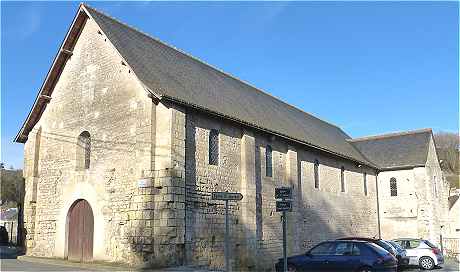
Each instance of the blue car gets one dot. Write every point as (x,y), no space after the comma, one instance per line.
(340,255)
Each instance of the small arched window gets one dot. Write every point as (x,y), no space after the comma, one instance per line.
(365,183)
(214,147)
(38,137)
(316,173)
(84,150)
(342,179)
(393,187)
(435,184)
(268,161)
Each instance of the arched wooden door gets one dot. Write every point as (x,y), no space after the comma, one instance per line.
(81,229)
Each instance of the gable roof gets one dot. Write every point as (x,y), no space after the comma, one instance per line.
(176,76)
(396,150)
(173,75)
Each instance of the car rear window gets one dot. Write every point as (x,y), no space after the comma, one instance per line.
(327,248)
(377,249)
(429,244)
(396,245)
(398,242)
(383,244)
(413,244)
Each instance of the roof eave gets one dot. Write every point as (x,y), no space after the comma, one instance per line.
(43,96)
(248,124)
(401,167)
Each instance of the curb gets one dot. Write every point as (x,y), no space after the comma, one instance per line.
(77,266)
(108,266)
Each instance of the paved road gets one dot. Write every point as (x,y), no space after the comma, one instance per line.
(450,265)
(43,264)
(10,262)
(20,265)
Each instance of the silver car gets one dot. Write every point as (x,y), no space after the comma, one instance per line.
(421,252)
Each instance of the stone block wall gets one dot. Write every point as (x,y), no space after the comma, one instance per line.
(172,220)
(400,220)
(424,192)
(336,213)
(169,202)
(256,231)
(98,93)
(205,226)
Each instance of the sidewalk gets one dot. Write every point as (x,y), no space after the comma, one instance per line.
(106,266)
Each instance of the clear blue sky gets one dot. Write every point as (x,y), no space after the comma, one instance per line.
(368,67)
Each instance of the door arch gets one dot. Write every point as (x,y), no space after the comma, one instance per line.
(80,225)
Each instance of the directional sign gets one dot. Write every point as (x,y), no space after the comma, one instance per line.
(283,206)
(283,192)
(226,196)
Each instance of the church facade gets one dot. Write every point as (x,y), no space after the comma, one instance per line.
(412,187)
(128,137)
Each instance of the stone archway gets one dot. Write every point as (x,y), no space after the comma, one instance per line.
(80,226)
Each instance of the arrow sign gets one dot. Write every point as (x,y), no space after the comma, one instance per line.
(283,192)
(226,196)
(283,206)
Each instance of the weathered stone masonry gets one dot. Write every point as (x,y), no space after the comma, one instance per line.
(172,221)
(96,93)
(149,181)
(256,227)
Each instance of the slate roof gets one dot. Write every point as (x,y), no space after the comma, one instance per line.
(396,150)
(177,76)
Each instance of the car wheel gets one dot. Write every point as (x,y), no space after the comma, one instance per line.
(364,269)
(426,263)
(291,268)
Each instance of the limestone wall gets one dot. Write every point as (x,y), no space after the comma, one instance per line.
(399,220)
(421,207)
(327,208)
(172,219)
(204,217)
(453,227)
(99,94)
(319,214)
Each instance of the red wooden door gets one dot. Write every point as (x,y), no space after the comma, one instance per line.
(81,228)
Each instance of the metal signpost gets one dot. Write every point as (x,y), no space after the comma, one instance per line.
(226,196)
(284,205)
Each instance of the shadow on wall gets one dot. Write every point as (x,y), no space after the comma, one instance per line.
(251,249)
(202,242)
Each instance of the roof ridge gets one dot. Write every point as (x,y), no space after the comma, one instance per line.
(390,135)
(211,66)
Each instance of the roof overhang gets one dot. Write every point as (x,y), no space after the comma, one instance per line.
(401,167)
(247,124)
(44,95)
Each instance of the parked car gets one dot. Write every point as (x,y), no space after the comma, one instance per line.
(401,254)
(342,255)
(421,252)
(402,260)
(4,238)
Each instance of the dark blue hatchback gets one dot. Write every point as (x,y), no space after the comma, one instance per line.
(335,256)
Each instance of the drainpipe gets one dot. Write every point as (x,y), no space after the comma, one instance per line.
(378,204)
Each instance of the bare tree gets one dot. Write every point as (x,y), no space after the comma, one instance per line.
(448,147)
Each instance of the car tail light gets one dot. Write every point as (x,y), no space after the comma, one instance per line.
(386,259)
(436,250)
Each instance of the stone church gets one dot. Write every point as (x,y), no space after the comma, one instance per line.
(128,137)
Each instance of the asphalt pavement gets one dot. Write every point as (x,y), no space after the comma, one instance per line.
(449,265)
(10,262)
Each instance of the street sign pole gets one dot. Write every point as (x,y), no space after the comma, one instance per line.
(284,205)
(227,242)
(227,196)
(284,242)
